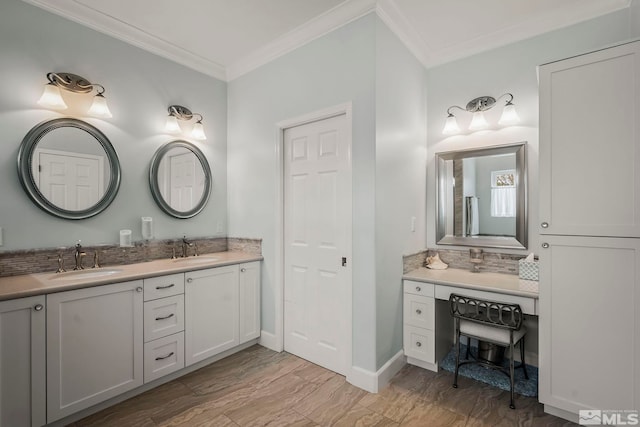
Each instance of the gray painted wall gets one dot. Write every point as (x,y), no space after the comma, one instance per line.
(401,114)
(139,88)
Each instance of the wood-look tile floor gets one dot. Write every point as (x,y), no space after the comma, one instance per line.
(259,387)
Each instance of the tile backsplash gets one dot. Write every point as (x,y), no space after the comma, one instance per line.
(29,261)
(459,258)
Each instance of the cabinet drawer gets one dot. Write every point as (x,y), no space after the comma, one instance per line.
(419,343)
(419,311)
(163,286)
(163,356)
(418,288)
(163,317)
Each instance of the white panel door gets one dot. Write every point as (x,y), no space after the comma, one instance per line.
(22,362)
(317,236)
(187,181)
(589,326)
(590,144)
(94,346)
(72,181)
(211,312)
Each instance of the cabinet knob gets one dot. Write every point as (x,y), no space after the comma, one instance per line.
(242,270)
(418,344)
(38,307)
(418,311)
(139,289)
(545,245)
(418,289)
(189,280)
(544,225)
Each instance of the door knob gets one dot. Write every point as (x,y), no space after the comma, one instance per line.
(544,225)
(38,307)
(545,245)
(139,289)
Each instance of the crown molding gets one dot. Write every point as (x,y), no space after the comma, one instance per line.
(111,26)
(323,24)
(429,56)
(390,14)
(343,14)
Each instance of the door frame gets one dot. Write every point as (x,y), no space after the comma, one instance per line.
(277,343)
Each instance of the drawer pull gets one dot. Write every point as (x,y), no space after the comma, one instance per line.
(165,287)
(165,357)
(418,288)
(418,344)
(418,311)
(168,316)
(139,289)
(189,280)
(38,307)
(243,270)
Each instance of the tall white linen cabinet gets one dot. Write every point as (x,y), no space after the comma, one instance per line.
(590,232)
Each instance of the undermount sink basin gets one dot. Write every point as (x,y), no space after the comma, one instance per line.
(197,259)
(86,274)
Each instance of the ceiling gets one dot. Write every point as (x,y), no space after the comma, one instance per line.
(228,38)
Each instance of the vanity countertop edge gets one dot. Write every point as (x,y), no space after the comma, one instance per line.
(509,284)
(27,285)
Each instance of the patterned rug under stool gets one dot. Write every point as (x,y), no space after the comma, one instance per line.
(492,377)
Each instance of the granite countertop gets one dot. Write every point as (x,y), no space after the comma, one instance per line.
(45,283)
(484,281)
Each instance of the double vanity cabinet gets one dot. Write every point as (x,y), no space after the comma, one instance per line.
(66,351)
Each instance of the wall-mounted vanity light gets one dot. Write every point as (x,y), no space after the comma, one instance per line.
(477,107)
(178,112)
(52,98)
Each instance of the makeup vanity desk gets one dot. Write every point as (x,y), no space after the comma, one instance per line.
(428,326)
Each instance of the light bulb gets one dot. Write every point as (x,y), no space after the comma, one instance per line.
(51,97)
(478,122)
(509,115)
(198,131)
(172,126)
(451,125)
(99,107)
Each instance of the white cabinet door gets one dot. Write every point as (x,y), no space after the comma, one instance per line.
(211,312)
(589,328)
(249,301)
(22,362)
(94,346)
(590,144)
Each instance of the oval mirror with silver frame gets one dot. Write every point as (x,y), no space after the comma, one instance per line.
(180,179)
(68,168)
(482,197)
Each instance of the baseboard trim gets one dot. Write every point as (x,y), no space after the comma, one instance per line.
(270,341)
(374,381)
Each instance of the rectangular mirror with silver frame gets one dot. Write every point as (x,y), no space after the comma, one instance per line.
(482,197)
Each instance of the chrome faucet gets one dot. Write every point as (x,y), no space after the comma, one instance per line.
(79,256)
(185,246)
